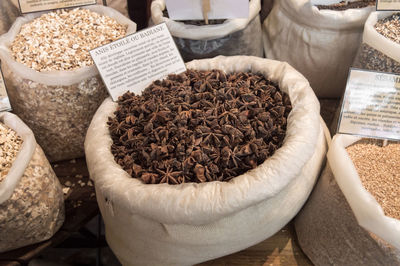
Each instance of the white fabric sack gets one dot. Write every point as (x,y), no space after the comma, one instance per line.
(190,223)
(119,5)
(366,209)
(321,44)
(378,52)
(31,197)
(56,105)
(233,37)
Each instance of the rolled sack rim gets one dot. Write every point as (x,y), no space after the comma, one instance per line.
(203,32)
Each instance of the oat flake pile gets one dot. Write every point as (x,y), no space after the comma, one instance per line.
(52,83)
(61,40)
(10,145)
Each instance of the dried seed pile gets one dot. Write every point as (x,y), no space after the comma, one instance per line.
(349,5)
(372,59)
(10,144)
(390,27)
(199,126)
(379,171)
(61,40)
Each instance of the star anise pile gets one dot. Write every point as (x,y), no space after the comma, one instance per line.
(199,126)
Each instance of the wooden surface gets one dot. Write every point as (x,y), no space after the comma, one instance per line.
(81,207)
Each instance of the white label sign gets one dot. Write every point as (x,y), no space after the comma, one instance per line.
(4,102)
(382,5)
(133,62)
(220,9)
(27,6)
(371,105)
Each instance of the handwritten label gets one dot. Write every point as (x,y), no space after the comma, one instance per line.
(382,5)
(133,62)
(371,105)
(219,9)
(28,6)
(4,102)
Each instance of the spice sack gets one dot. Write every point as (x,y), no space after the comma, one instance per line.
(342,223)
(31,197)
(378,52)
(320,44)
(232,37)
(185,224)
(56,104)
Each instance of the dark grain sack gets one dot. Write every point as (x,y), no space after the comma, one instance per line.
(329,234)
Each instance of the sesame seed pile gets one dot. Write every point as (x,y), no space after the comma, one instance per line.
(61,40)
(390,27)
(379,171)
(10,144)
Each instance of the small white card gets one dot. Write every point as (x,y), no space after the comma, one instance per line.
(135,61)
(28,6)
(220,9)
(4,102)
(371,105)
(388,5)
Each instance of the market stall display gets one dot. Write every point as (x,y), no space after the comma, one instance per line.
(321,44)
(194,218)
(360,185)
(228,37)
(31,198)
(52,82)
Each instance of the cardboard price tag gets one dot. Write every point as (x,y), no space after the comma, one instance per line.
(28,6)
(387,5)
(218,9)
(371,105)
(4,102)
(133,62)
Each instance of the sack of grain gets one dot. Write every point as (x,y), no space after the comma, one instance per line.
(52,83)
(31,197)
(380,48)
(162,224)
(231,37)
(320,43)
(346,220)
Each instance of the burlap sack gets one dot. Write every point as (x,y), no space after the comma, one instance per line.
(328,230)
